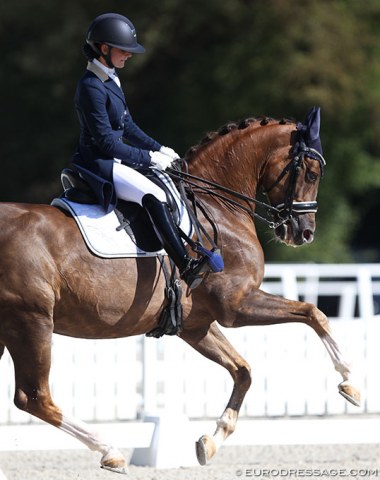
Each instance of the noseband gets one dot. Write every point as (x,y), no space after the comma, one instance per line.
(290,207)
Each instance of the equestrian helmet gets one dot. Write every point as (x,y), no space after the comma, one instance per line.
(114,30)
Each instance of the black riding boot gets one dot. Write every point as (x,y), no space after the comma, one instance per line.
(190,269)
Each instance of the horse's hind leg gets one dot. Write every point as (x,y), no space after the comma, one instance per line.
(214,345)
(31,354)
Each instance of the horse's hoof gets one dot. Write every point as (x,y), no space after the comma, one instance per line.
(350,393)
(122,470)
(115,462)
(205,449)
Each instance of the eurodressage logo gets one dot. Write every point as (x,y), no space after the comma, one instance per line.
(307,472)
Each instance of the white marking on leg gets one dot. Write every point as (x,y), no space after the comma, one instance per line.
(225,426)
(91,439)
(346,388)
(341,365)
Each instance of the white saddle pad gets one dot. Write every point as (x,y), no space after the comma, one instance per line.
(99,230)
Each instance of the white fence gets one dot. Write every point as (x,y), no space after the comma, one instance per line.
(108,380)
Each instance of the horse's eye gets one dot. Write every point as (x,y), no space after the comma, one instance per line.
(311,177)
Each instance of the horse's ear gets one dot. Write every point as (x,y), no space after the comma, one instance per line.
(313,124)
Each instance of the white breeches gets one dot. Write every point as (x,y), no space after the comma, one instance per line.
(131,185)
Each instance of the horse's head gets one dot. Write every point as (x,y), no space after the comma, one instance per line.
(291,181)
(282,158)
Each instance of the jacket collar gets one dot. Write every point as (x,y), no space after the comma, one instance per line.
(107,81)
(109,71)
(98,71)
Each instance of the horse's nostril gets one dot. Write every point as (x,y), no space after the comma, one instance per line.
(308,236)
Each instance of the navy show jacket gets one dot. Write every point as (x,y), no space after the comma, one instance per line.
(105,125)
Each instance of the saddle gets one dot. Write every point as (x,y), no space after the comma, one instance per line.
(132,217)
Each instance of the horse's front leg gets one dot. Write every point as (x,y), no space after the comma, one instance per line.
(261,308)
(216,347)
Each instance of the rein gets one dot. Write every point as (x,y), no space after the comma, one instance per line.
(284,210)
(212,187)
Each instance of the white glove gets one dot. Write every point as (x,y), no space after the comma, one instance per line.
(160,160)
(169,152)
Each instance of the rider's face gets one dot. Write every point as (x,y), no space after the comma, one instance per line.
(118,56)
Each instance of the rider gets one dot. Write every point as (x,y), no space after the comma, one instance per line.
(113,168)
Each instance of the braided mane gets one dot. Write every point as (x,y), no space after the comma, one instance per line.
(230,127)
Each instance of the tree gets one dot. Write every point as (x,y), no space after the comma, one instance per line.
(207,63)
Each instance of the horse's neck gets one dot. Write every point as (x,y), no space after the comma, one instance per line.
(215,162)
(239,162)
(235,162)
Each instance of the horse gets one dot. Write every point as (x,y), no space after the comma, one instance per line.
(52,283)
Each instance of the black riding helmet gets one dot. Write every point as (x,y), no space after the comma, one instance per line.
(114,30)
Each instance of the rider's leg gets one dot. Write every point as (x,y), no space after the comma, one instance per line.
(132,186)
(191,270)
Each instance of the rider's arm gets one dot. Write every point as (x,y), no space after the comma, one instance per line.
(136,137)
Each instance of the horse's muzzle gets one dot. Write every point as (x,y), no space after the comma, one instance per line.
(297,231)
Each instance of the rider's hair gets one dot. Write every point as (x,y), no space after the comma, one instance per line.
(89,52)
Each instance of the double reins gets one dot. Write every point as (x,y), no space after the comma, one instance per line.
(213,189)
(284,211)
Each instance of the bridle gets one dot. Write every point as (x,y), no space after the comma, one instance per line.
(284,211)
(290,207)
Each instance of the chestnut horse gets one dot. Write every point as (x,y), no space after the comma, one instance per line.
(51,283)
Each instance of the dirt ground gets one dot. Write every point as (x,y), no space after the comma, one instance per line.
(231,463)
